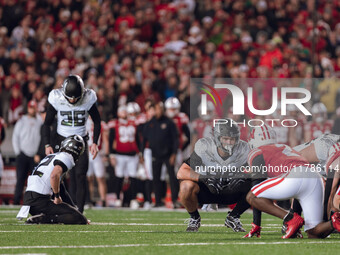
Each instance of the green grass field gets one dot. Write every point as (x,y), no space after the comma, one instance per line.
(114,231)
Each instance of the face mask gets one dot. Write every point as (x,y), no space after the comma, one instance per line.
(319,119)
(170,114)
(228,148)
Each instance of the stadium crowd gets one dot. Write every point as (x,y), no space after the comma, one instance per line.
(132,51)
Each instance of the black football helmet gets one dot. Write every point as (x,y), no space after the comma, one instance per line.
(229,129)
(73,88)
(73,144)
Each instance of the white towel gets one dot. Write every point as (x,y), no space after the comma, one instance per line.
(24,211)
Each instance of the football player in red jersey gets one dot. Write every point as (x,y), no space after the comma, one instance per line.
(320,124)
(123,150)
(288,177)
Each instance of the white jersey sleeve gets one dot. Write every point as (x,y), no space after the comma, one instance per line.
(321,145)
(72,117)
(39,181)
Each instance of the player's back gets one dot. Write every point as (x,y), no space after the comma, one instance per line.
(39,180)
(278,158)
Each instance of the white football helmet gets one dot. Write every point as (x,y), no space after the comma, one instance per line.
(319,112)
(172,106)
(133,108)
(122,112)
(210,111)
(260,136)
(331,154)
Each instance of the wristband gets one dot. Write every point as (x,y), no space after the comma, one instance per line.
(47,145)
(56,195)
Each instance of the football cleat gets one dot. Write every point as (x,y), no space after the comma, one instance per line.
(193,224)
(336,221)
(255,231)
(293,226)
(36,219)
(284,230)
(234,223)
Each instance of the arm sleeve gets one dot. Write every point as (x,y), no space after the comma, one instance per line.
(139,138)
(193,161)
(112,135)
(257,167)
(3,134)
(186,132)
(15,138)
(145,137)
(94,113)
(46,127)
(174,135)
(60,163)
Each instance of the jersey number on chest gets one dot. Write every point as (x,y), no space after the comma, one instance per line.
(73,118)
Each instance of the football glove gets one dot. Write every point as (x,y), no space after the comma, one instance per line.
(211,183)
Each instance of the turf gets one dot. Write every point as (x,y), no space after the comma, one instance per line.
(114,231)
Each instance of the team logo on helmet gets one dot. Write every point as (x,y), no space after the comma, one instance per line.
(74,145)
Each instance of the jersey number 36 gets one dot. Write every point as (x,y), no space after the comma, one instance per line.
(73,118)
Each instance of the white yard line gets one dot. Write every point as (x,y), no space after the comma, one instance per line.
(164,245)
(102,231)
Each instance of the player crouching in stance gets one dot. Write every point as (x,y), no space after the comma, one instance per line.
(222,150)
(45,181)
(295,180)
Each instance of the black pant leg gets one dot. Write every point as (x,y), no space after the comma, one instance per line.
(80,171)
(22,164)
(174,185)
(61,213)
(65,196)
(156,172)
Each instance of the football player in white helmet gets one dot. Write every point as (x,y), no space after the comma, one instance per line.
(133,110)
(72,104)
(44,184)
(200,183)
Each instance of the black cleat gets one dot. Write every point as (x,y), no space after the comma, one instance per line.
(234,223)
(36,219)
(193,224)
